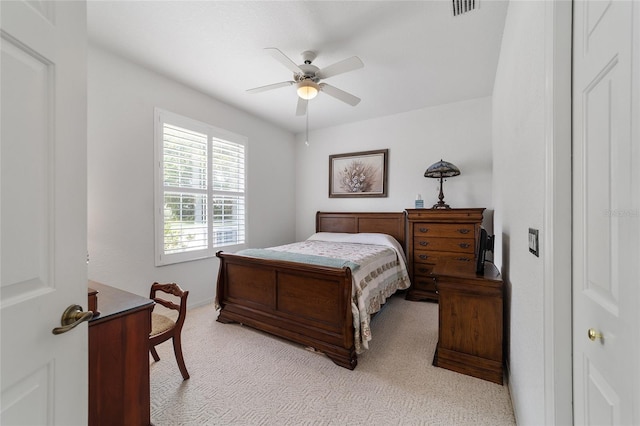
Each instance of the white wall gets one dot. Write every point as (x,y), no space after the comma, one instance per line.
(519,199)
(458,132)
(121,100)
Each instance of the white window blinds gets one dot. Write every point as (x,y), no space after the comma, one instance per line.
(228,210)
(200,189)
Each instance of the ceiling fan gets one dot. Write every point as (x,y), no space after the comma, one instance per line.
(307,77)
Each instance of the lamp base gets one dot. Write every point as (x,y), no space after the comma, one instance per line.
(440,205)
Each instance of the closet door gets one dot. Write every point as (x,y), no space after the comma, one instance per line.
(606,213)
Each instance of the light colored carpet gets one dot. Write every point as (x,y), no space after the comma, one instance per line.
(240,376)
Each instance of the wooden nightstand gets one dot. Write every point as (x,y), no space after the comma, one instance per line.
(471,309)
(436,235)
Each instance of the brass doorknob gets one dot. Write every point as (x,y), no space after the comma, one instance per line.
(593,334)
(71,317)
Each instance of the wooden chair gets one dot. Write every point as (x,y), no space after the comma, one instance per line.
(164,328)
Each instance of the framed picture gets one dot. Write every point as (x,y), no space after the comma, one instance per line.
(358,174)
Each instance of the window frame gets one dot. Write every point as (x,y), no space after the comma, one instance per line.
(160,118)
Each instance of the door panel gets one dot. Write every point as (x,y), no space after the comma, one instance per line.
(26,87)
(599,150)
(19,400)
(602,400)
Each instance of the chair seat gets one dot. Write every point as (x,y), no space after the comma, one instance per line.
(160,323)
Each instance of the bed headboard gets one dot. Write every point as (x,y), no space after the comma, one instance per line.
(385,223)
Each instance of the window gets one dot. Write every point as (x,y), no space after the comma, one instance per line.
(200,189)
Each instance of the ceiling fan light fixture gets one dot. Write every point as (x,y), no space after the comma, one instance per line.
(307,89)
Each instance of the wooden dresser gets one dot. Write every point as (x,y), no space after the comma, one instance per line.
(470,336)
(436,235)
(119,388)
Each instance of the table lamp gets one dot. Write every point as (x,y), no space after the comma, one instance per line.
(440,170)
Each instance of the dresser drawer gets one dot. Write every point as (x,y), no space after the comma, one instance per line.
(422,257)
(458,245)
(444,230)
(422,269)
(426,284)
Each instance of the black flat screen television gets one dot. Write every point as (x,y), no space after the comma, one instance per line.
(485,243)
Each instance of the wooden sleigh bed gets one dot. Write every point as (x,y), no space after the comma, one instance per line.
(307,304)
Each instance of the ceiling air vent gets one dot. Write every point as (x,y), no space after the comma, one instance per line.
(464,6)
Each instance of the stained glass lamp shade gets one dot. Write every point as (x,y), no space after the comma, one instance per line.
(440,170)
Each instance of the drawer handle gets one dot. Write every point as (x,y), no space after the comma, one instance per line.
(463,231)
(423,256)
(464,245)
(464,259)
(424,243)
(423,270)
(423,229)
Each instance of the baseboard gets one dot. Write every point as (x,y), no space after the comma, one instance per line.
(507,383)
(201,303)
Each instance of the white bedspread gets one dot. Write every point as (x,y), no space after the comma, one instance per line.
(381,271)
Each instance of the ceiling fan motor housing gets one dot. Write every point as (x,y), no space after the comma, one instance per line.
(308,73)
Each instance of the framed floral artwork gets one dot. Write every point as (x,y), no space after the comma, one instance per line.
(358,174)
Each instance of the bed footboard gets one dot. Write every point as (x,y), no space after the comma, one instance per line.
(309,305)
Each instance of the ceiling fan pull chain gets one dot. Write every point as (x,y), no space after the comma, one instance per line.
(306,141)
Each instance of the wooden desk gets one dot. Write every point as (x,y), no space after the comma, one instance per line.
(470,339)
(119,388)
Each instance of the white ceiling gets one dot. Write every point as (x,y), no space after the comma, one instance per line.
(416,54)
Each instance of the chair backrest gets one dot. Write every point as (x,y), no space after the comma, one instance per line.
(174,289)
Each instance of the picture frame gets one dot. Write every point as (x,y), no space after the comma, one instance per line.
(358,174)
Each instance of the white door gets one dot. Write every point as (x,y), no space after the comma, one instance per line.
(606,213)
(43,239)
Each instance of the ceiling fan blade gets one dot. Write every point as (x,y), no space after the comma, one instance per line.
(350,64)
(301,109)
(270,87)
(339,94)
(284,59)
